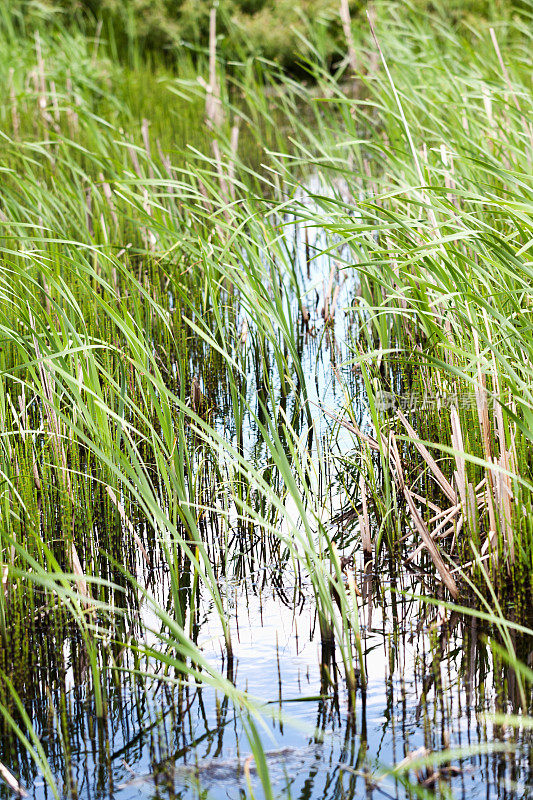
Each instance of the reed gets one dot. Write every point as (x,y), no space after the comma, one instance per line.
(155,407)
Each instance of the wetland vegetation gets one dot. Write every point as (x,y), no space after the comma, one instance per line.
(266,410)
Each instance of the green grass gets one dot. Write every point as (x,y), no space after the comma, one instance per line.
(438,225)
(135,242)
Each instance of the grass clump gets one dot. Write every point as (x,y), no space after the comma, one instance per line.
(156,409)
(434,214)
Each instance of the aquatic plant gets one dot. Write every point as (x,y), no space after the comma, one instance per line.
(156,409)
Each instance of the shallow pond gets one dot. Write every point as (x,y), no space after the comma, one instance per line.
(431,679)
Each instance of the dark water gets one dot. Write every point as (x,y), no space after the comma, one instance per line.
(433,676)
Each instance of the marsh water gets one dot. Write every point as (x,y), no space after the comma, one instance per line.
(434,679)
(431,681)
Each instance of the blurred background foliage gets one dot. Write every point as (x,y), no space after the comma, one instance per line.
(274,29)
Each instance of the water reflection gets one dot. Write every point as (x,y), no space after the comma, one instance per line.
(431,678)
